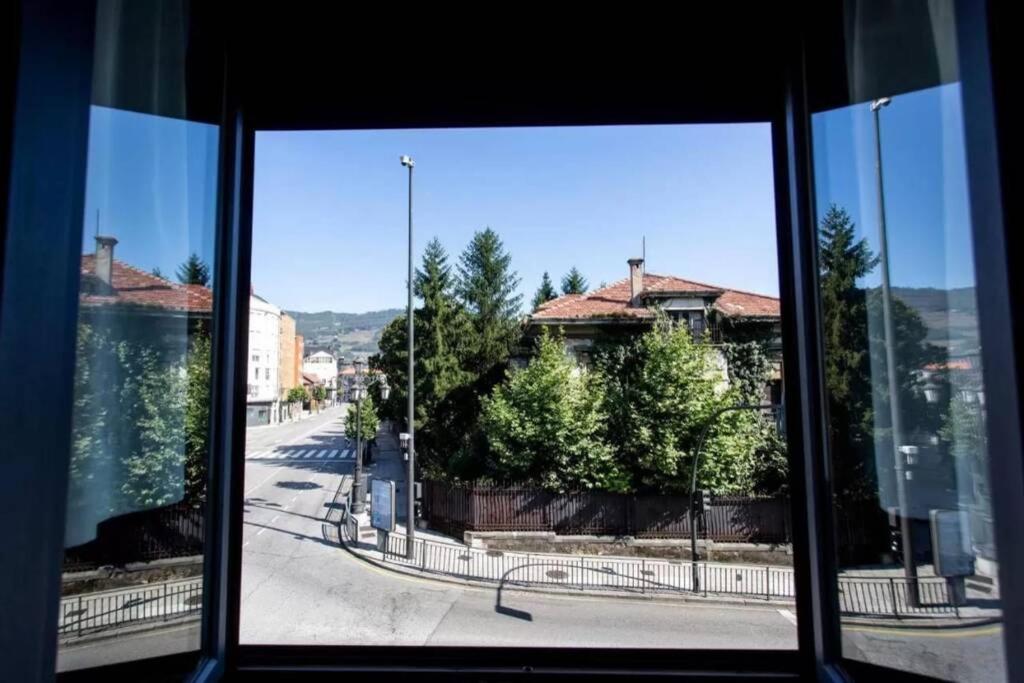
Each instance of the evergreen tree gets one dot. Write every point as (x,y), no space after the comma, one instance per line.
(158,273)
(546,292)
(487,286)
(574,282)
(194,272)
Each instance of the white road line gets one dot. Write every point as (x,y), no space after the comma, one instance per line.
(297,454)
(274,519)
(297,495)
(332,454)
(788,616)
(270,476)
(321,454)
(347,454)
(261,531)
(309,455)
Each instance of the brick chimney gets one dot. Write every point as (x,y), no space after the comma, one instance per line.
(105,259)
(636,280)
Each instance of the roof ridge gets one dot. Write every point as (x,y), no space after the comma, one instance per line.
(618,282)
(718,287)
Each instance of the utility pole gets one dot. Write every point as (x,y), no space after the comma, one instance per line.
(906,526)
(410,472)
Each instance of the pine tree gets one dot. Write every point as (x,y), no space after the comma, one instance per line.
(158,273)
(194,272)
(574,282)
(546,292)
(487,286)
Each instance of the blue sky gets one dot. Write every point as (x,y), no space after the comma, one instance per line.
(329,225)
(154,182)
(923,166)
(330,206)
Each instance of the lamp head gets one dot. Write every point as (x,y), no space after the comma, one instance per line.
(407,160)
(880,102)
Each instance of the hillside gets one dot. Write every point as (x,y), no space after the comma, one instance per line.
(951,315)
(344,334)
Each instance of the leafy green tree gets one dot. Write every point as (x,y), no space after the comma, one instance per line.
(487,286)
(545,425)
(319,392)
(298,395)
(546,292)
(855,365)
(659,392)
(370,421)
(197,417)
(194,272)
(574,282)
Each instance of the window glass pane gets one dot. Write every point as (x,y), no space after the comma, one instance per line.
(917,581)
(568,354)
(133,579)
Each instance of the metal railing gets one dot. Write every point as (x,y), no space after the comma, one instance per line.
(88,612)
(859,596)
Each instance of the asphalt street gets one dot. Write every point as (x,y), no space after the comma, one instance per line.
(299,587)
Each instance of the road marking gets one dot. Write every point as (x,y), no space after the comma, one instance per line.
(788,616)
(270,476)
(276,516)
(332,454)
(261,531)
(293,498)
(349,452)
(310,454)
(321,454)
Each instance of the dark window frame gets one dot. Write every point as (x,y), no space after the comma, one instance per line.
(53,53)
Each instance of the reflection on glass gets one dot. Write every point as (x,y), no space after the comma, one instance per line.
(134,532)
(564,386)
(906,398)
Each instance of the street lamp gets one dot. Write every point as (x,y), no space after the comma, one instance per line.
(693,480)
(410,472)
(359,393)
(909,567)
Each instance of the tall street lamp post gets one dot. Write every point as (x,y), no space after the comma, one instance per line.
(359,393)
(901,455)
(410,472)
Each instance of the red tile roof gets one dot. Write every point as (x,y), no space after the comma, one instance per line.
(613,301)
(137,288)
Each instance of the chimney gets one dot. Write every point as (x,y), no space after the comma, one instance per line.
(105,259)
(636,280)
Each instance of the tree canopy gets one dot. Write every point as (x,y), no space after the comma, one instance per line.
(194,272)
(546,292)
(574,282)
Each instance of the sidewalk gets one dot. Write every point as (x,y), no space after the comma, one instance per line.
(879,593)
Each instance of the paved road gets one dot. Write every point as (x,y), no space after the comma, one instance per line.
(299,587)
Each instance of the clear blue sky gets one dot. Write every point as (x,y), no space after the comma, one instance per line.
(329,225)
(154,182)
(330,211)
(927,211)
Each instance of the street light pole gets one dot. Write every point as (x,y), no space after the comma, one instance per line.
(693,479)
(909,566)
(358,493)
(410,472)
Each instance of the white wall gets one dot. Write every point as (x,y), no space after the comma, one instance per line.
(264,349)
(323,366)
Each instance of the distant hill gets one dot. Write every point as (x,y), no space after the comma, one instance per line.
(951,315)
(345,334)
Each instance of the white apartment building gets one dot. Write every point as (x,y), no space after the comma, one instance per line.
(264,348)
(324,367)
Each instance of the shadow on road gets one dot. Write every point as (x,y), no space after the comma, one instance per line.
(297,485)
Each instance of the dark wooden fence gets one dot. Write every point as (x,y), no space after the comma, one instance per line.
(456,509)
(171,531)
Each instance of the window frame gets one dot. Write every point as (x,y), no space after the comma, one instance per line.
(52,53)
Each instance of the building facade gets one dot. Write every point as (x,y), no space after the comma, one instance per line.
(324,367)
(263,395)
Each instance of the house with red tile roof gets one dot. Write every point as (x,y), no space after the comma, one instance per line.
(145,304)
(714,313)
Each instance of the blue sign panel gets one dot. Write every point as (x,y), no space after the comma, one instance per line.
(382,504)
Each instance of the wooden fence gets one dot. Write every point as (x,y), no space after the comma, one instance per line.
(456,509)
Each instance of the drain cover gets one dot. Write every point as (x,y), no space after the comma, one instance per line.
(556,574)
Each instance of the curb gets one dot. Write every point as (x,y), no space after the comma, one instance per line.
(570,592)
(909,623)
